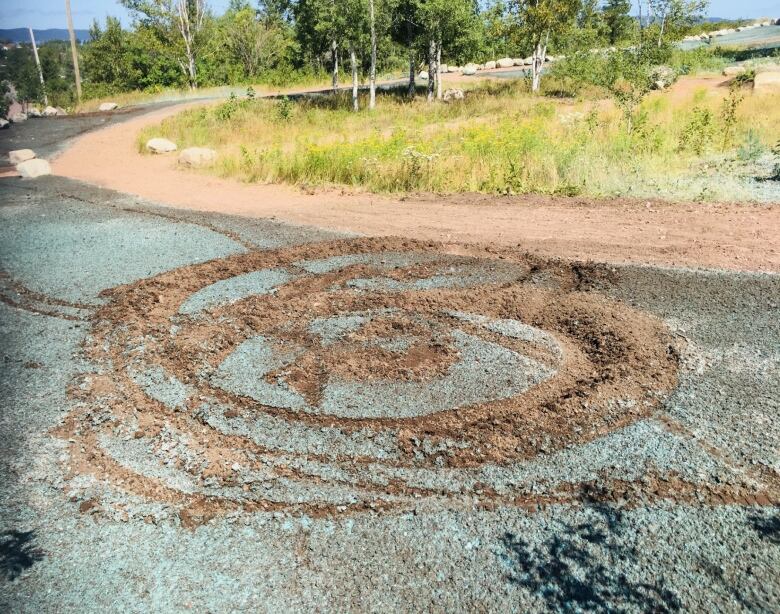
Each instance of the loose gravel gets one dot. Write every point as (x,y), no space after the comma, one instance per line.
(123,487)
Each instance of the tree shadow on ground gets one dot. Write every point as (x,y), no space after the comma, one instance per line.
(17,553)
(582,567)
(768,528)
(751,53)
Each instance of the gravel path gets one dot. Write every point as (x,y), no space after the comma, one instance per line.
(600,438)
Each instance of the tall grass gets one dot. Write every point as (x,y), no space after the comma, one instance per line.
(500,139)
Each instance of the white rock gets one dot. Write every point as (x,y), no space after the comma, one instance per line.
(518,61)
(53,111)
(453,95)
(18,117)
(470,69)
(505,63)
(34,168)
(4,123)
(160,146)
(20,155)
(423,75)
(528,61)
(196,157)
(444,69)
(766,82)
(767,68)
(732,71)
(108,106)
(33,112)
(490,65)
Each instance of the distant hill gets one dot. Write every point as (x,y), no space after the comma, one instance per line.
(21,35)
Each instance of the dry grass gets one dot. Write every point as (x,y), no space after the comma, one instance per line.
(500,139)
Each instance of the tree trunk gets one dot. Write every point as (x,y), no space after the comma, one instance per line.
(438,71)
(193,74)
(353,65)
(334,54)
(38,64)
(661,32)
(372,69)
(431,69)
(412,61)
(73,50)
(540,52)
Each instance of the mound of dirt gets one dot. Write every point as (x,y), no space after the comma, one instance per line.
(379,372)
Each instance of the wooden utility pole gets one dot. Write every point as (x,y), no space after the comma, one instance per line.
(74,50)
(38,63)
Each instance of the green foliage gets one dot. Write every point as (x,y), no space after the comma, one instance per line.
(698,133)
(728,114)
(226,110)
(752,148)
(4,102)
(284,109)
(18,67)
(671,20)
(617,19)
(745,78)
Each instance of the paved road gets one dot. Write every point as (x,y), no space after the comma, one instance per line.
(210,413)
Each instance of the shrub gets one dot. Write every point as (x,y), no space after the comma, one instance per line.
(752,148)
(697,134)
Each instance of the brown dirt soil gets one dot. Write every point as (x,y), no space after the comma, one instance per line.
(730,236)
(610,352)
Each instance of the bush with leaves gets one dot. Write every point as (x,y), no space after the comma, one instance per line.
(697,135)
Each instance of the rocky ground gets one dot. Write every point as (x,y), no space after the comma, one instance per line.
(202,412)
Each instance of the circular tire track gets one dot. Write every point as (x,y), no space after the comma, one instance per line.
(358,374)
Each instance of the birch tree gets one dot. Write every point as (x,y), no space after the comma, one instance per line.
(536,21)
(321,25)
(443,22)
(178,25)
(672,17)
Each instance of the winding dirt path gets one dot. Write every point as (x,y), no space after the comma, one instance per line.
(729,236)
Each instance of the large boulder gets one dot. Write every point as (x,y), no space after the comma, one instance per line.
(196,157)
(160,146)
(33,112)
(18,117)
(34,168)
(470,69)
(733,71)
(453,95)
(490,65)
(423,76)
(50,112)
(505,63)
(108,106)
(444,69)
(663,77)
(4,123)
(518,61)
(767,82)
(17,156)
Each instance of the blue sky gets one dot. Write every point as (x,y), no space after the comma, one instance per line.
(51,13)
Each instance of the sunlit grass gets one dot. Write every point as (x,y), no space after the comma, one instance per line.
(500,139)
